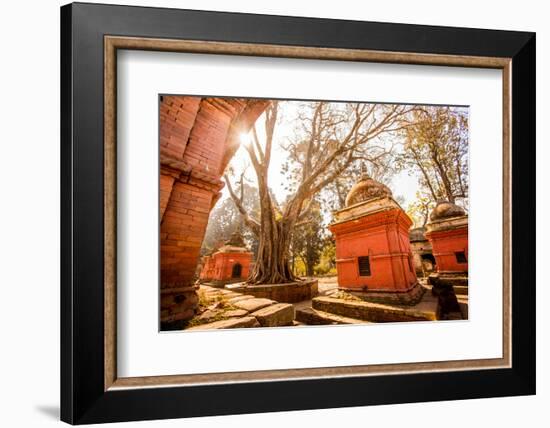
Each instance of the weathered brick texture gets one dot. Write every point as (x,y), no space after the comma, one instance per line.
(198,137)
(177,116)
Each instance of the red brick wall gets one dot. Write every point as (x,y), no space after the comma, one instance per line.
(445,245)
(198,136)
(166,184)
(177,116)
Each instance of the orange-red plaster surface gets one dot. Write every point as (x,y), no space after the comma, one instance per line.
(384,238)
(445,245)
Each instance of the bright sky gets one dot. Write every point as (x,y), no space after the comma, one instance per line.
(403,185)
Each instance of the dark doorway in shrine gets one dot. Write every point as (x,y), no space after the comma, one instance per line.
(428,261)
(237,270)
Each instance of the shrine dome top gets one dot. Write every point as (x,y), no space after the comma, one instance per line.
(445,209)
(365,189)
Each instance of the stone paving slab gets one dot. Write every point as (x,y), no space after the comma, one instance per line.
(278,314)
(208,314)
(310,316)
(243,322)
(240,297)
(235,313)
(292,292)
(230,309)
(229,293)
(252,305)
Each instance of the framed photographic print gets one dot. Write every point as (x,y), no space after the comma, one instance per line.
(277,213)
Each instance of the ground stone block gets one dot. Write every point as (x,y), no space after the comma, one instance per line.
(235,313)
(310,316)
(209,314)
(426,310)
(252,305)
(240,297)
(230,323)
(275,315)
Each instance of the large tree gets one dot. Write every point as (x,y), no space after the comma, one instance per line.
(437,146)
(329,138)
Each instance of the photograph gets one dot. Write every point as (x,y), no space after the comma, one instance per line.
(296,213)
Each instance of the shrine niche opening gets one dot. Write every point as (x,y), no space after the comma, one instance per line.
(236,271)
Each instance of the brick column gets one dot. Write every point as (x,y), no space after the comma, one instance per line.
(194,153)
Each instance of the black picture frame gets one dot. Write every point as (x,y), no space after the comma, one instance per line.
(83,398)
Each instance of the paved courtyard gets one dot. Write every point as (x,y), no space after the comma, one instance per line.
(221,308)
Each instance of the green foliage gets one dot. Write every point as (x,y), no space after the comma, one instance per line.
(436,146)
(327,262)
(299,267)
(308,240)
(420,209)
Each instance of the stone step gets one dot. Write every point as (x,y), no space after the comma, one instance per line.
(276,315)
(461,290)
(244,322)
(252,305)
(426,310)
(310,316)
(292,292)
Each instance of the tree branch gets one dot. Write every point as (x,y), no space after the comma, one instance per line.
(253,224)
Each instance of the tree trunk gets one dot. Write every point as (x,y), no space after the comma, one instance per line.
(273,261)
(310,268)
(446,182)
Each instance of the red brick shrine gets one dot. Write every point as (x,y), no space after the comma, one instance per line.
(447,231)
(373,253)
(230,263)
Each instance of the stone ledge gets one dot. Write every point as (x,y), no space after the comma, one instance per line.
(276,315)
(293,292)
(252,305)
(410,297)
(377,312)
(454,279)
(240,297)
(244,322)
(310,316)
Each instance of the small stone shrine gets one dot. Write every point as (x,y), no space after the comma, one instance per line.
(230,263)
(447,231)
(373,253)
